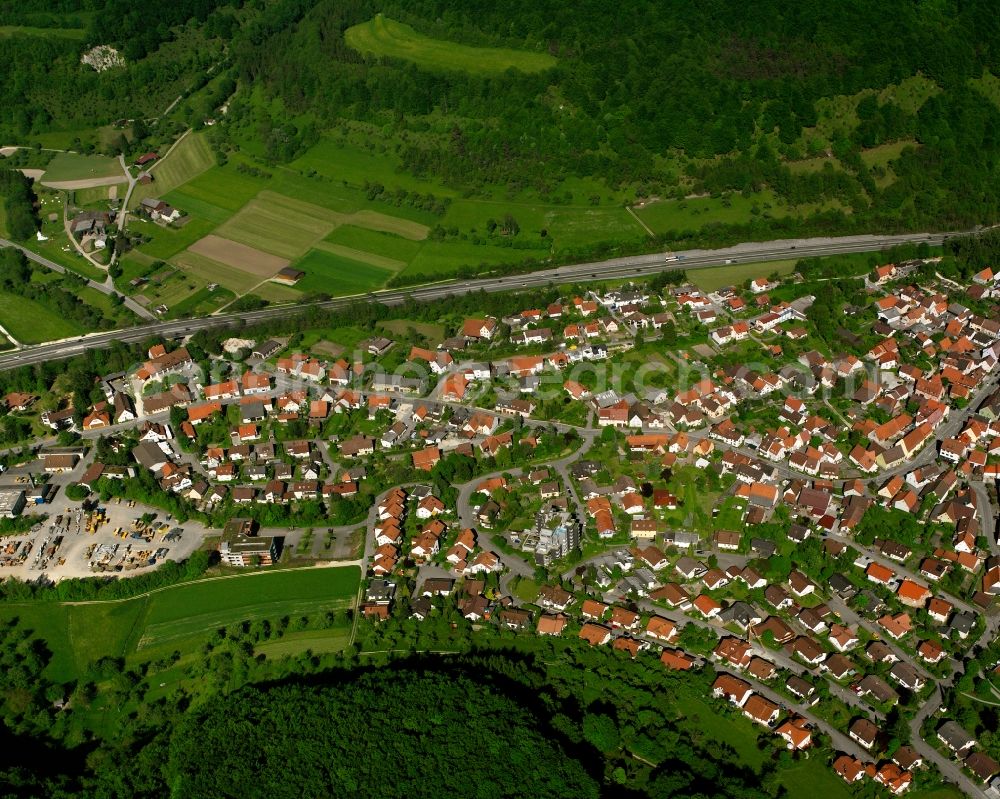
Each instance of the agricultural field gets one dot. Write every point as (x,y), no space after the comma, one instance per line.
(385,245)
(238,256)
(178,617)
(67,167)
(336,275)
(279,225)
(190,157)
(197,609)
(207,270)
(31,322)
(220,189)
(316,215)
(382,36)
(202,302)
(381,261)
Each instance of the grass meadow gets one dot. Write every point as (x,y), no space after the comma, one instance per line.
(73,166)
(382,36)
(189,158)
(337,275)
(32,323)
(178,618)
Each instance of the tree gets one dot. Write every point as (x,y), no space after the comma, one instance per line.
(77,492)
(601,732)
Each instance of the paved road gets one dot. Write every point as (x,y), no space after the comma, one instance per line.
(47,353)
(617,268)
(949,768)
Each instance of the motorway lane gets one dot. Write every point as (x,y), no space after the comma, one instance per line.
(617,268)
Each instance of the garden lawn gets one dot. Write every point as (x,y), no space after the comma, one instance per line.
(813,778)
(705,722)
(429,330)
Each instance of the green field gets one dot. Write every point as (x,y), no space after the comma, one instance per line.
(385,37)
(198,609)
(693,213)
(810,778)
(279,225)
(32,323)
(190,157)
(45,33)
(98,195)
(439,260)
(319,642)
(179,617)
(699,715)
(989,85)
(167,242)
(357,165)
(432,332)
(381,261)
(884,153)
(549,226)
(73,166)
(385,244)
(715,277)
(202,302)
(220,187)
(337,275)
(211,271)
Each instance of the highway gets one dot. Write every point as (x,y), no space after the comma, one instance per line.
(613,269)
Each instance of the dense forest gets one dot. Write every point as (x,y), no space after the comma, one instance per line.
(667,98)
(730,88)
(492,722)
